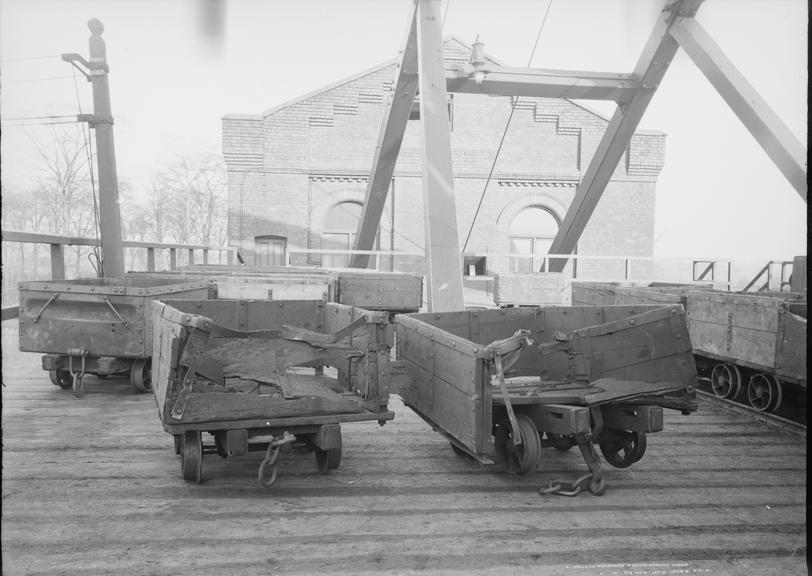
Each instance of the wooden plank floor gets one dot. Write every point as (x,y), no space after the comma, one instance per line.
(92,486)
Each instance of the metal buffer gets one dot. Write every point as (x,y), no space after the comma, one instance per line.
(421,61)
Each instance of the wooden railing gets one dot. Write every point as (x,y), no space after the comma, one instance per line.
(57,252)
(706,270)
(766,274)
(716,270)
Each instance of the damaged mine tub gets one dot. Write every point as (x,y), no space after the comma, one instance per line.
(502,384)
(251,375)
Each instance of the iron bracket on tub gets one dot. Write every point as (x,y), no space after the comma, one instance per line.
(505,353)
(44,306)
(113,308)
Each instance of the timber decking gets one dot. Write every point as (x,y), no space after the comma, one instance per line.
(92,486)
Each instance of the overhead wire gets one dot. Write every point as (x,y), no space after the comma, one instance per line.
(22,124)
(24,58)
(99,265)
(504,132)
(7,82)
(52,116)
(445,13)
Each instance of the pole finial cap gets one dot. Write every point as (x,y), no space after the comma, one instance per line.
(96,26)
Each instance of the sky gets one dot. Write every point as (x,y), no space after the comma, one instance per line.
(172,78)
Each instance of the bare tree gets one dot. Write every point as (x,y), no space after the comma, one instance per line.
(59,201)
(64,183)
(188,202)
(136,224)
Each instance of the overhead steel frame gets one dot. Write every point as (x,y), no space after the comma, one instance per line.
(783,148)
(675,28)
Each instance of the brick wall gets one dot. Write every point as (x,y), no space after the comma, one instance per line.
(289,165)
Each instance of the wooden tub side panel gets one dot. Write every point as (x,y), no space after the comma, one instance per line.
(790,347)
(447,384)
(741,328)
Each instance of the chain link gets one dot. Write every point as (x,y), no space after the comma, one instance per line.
(271,458)
(565,488)
(595,484)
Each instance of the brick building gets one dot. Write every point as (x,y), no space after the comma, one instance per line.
(297,174)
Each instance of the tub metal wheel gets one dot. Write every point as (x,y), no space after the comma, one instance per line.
(640,443)
(459,452)
(61,378)
(141,375)
(518,458)
(625,451)
(764,392)
(191,456)
(328,459)
(726,381)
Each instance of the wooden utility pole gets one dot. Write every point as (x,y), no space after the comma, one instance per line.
(112,251)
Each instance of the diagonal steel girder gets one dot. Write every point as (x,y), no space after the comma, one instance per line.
(781,145)
(657,55)
(499,81)
(390,138)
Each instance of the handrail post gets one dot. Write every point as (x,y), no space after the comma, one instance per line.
(57,262)
(151,259)
(205,256)
(729,275)
(173,259)
(191,256)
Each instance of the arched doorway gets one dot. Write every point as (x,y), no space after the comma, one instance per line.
(532,232)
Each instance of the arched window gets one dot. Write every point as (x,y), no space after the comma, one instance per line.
(531,232)
(340,226)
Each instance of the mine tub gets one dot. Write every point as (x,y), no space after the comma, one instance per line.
(100,326)
(258,374)
(748,346)
(500,384)
(393,292)
(249,285)
(751,344)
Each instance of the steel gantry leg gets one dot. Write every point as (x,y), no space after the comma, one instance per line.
(783,148)
(650,69)
(390,138)
(443,259)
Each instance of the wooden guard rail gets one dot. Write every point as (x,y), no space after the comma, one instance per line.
(58,243)
(766,274)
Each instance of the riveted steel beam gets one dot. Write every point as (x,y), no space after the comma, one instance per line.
(390,138)
(542,83)
(657,55)
(443,258)
(781,145)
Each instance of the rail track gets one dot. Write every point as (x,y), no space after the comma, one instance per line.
(792,418)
